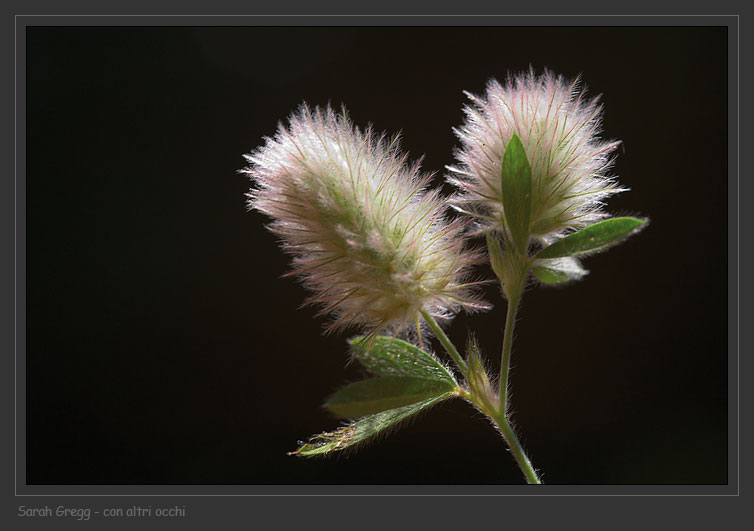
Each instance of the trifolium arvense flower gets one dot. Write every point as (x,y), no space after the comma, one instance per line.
(558,127)
(372,244)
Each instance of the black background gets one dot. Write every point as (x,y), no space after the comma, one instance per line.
(163,346)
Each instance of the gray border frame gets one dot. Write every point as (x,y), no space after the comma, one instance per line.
(31,494)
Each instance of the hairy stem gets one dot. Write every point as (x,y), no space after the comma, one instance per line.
(513,279)
(487,405)
(518,451)
(505,362)
(449,347)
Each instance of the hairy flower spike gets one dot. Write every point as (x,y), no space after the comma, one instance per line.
(367,239)
(558,127)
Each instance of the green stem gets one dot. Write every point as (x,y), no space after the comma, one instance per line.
(518,452)
(449,347)
(513,289)
(505,363)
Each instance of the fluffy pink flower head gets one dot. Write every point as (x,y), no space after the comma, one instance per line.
(371,243)
(558,127)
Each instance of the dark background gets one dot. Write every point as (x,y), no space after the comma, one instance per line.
(163,346)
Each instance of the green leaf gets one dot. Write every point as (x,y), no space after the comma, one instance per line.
(516,188)
(362,429)
(558,270)
(388,356)
(594,238)
(387,392)
(497,258)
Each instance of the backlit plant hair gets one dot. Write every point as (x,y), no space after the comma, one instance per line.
(378,251)
(371,243)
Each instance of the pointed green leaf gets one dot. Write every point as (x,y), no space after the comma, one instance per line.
(362,429)
(594,238)
(516,188)
(387,392)
(558,270)
(388,356)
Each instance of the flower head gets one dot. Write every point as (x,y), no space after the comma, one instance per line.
(558,127)
(368,240)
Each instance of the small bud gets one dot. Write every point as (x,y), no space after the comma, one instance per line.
(481,391)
